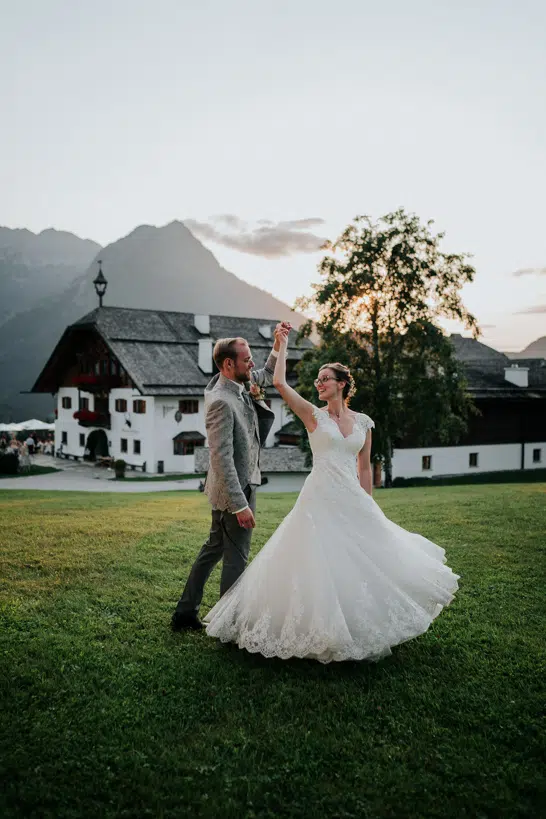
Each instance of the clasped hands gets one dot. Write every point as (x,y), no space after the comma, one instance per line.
(281,332)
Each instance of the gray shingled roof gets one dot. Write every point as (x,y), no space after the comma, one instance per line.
(159,349)
(484,369)
(469,350)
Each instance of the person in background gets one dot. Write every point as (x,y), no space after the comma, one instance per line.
(24,458)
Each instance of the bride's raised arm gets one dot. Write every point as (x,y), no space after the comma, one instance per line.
(299,406)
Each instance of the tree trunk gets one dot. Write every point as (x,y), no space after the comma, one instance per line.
(388,464)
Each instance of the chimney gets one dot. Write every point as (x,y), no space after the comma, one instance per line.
(205,355)
(202,324)
(517,375)
(265,331)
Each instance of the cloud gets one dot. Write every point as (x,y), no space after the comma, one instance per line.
(536,309)
(230,221)
(272,240)
(530,271)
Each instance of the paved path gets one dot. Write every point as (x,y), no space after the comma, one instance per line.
(81,477)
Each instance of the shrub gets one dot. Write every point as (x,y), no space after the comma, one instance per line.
(119,467)
(9,463)
(505,476)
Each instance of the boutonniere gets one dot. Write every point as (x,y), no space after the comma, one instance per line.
(257,392)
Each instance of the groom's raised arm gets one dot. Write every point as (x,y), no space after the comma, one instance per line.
(264,376)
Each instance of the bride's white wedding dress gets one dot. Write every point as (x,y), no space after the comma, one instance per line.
(337,580)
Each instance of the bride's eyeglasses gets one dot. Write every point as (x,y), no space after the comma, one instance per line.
(325,378)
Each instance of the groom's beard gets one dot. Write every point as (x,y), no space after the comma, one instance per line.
(242,378)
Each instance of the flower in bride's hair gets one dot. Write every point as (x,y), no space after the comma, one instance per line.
(257,392)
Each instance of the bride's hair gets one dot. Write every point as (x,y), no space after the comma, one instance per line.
(342,374)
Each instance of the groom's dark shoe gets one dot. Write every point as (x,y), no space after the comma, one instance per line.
(182,621)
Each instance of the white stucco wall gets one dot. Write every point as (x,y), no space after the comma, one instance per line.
(454,460)
(529,456)
(166,428)
(65,422)
(141,428)
(155,429)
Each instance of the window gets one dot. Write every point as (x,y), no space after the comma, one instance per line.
(84,403)
(123,443)
(66,402)
(82,439)
(537,456)
(186,447)
(121,405)
(473,459)
(64,438)
(136,447)
(187,407)
(426,462)
(139,406)
(291,366)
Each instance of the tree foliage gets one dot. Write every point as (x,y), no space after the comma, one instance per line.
(384,288)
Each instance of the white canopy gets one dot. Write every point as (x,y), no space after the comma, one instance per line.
(34,425)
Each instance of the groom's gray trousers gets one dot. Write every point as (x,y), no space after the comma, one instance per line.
(226,540)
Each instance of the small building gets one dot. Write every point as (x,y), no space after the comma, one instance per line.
(509,431)
(130,384)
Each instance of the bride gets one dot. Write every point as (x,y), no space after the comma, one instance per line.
(337,580)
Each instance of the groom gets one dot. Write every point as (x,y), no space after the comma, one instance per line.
(238,423)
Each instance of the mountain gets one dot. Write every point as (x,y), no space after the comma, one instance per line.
(167,268)
(163,268)
(38,266)
(536,349)
(48,247)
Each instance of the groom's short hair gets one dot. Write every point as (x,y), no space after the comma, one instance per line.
(226,348)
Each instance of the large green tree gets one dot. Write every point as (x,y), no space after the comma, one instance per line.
(385,286)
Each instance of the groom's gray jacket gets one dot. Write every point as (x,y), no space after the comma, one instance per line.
(236,430)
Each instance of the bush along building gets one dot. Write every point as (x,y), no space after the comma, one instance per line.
(509,431)
(130,385)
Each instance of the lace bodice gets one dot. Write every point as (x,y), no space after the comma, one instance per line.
(334,451)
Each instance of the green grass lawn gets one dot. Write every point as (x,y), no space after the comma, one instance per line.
(106,713)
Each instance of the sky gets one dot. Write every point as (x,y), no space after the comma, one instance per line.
(286,118)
